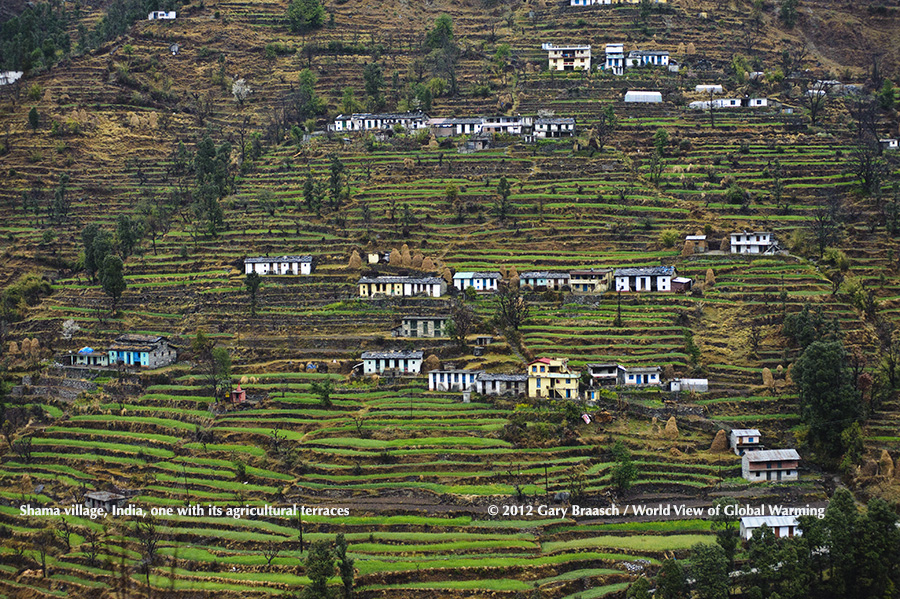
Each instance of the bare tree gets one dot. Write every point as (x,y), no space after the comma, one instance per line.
(463,318)
(271,549)
(815,97)
(512,307)
(867,164)
(148,537)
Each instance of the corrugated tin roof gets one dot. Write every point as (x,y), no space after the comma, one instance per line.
(745,432)
(770,521)
(769,455)
(477,275)
(402,279)
(512,378)
(544,274)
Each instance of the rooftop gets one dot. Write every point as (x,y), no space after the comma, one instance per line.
(477,275)
(391,355)
(641,369)
(771,521)
(103,496)
(769,455)
(511,378)
(259,259)
(425,280)
(645,271)
(559,120)
(745,432)
(544,274)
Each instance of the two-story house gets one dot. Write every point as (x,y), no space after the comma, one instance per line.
(568,58)
(743,440)
(422,326)
(590,280)
(645,278)
(551,377)
(770,465)
(759,242)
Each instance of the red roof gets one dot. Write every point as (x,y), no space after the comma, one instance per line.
(541,360)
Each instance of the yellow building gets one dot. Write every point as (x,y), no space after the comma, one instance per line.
(551,377)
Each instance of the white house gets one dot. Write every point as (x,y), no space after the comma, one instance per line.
(715,104)
(770,465)
(544,279)
(743,440)
(568,58)
(645,278)
(402,286)
(280,265)
(709,89)
(159,15)
(8,77)
(87,356)
(643,58)
(364,121)
(449,127)
(639,376)
(452,380)
(480,281)
(615,58)
(888,144)
(756,102)
(603,374)
(501,384)
(782,526)
(643,97)
(507,125)
(689,385)
(554,127)
(759,242)
(404,362)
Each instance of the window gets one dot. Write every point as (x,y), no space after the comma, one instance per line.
(542,369)
(538,385)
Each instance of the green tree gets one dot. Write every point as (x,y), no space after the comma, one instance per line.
(709,571)
(33,118)
(639,589)
(128,235)
(787,12)
(345,566)
(810,325)
(661,141)
(623,472)
(728,534)
(373,78)
(441,36)
(336,180)
(829,401)
(671,582)
(319,568)
(323,389)
(349,104)
(112,279)
(306,103)
(502,207)
(886,96)
(61,201)
(305,15)
(251,282)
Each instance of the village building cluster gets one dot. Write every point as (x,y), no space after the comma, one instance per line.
(481,127)
(130,350)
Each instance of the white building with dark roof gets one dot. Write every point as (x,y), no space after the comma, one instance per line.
(553,127)
(402,286)
(770,465)
(279,265)
(480,281)
(365,121)
(501,384)
(402,362)
(146,351)
(543,279)
(590,280)
(639,376)
(615,59)
(644,278)
(643,58)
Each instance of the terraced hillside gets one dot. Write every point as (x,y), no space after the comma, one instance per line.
(418,471)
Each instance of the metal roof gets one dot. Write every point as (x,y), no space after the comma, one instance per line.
(544,274)
(745,432)
(261,259)
(477,275)
(555,121)
(645,271)
(456,370)
(590,271)
(769,455)
(439,317)
(695,237)
(103,496)
(391,355)
(770,521)
(511,378)
(402,279)
(640,369)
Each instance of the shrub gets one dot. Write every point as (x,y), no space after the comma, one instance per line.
(668,238)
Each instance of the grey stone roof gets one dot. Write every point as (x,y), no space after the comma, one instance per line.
(476,275)
(262,259)
(391,355)
(645,271)
(555,121)
(439,317)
